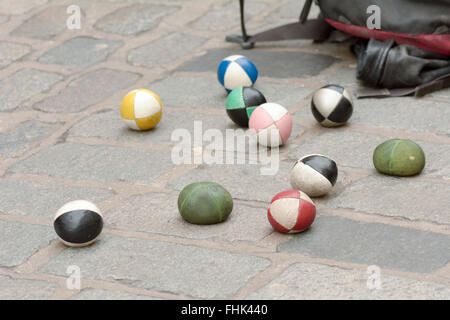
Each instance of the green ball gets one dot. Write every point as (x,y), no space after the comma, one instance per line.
(205,203)
(399,157)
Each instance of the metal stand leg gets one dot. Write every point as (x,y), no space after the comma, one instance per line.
(244,39)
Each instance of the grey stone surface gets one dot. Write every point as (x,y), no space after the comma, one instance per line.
(227,16)
(162,266)
(44,25)
(384,245)
(116,130)
(3,19)
(275,64)
(346,77)
(397,197)
(19,6)
(291,11)
(313,281)
(42,200)
(443,93)
(80,52)
(158,213)
(355,150)
(161,134)
(102,163)
(99,294)
(18,241)
(23,289)
(10,52)
(25,136)
(88,90)
(200,92)
(134,19)
(412,114)
(347,148)
(165,50)
(243,181)
(24,85)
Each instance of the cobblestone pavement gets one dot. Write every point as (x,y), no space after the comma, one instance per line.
(61,138)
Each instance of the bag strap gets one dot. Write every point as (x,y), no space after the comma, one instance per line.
(419,91)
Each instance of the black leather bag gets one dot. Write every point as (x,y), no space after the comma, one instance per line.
(399,69)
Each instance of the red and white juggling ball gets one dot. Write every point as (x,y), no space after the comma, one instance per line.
(291,211)
(272,123)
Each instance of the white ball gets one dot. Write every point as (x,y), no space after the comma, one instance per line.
(78,223)
(314,174)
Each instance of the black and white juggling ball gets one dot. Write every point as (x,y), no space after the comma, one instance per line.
(332,105)
(78,223)
(314,174)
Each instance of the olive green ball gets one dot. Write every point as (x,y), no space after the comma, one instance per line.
(398,157)
(205,203)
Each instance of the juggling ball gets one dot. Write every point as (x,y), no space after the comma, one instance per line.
(332,105)
(241,102)
(205,203)
(399,157)
(272,124)
(78,223)
(314,174)
(141,109)
(237,71)
(291,211)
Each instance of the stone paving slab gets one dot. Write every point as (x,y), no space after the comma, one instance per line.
(19,241)
(99,163)
(410,114)
(313,281)
(275,64)
(291,11)
(347,148)
(165,50)
(22,289)
(3,19)
(42,200)
(44,25)
(413,114)
(200,92)
(158,213)
(98,294)
(88,90)
(162,266)
(24,85)
(10,52)
(25,136)
(225,17)
(384,245)
(80,52)
(19,6)
(396,197)
(134,19)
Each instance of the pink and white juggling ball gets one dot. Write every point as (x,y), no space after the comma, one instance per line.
(272,123)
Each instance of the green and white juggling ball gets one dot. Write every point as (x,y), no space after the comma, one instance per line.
(205,203)
(241,102)
(399,157)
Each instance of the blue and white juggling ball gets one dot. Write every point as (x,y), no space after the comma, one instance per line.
(237,71)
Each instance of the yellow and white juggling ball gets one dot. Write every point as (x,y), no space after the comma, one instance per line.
(141,109)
